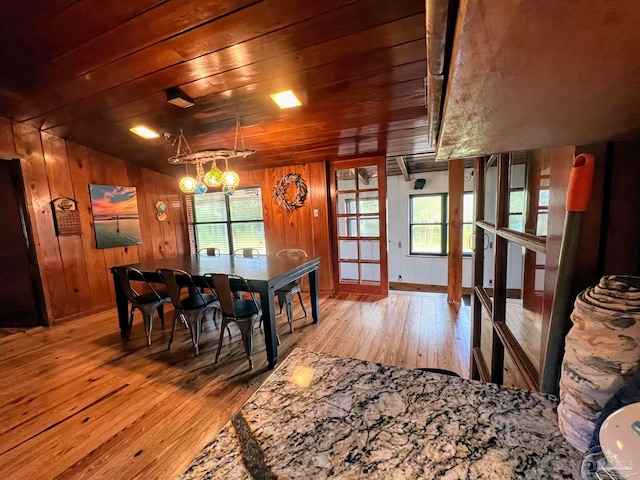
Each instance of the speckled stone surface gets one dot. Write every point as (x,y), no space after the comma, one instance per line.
(359,419)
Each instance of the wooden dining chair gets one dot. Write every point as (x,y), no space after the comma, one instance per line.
(243,312)
(192,310)
(285,294)
(210,252)
(148,303)
(247,252)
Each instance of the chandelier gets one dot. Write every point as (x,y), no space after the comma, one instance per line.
(213,177)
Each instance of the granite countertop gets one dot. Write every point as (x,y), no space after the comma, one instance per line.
(320,416)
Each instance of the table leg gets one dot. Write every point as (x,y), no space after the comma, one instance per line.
(269,321)
(123,308)
(315,295)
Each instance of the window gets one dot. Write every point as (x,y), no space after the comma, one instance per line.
(516,209)
(467,223)
(226,222)
(428,224)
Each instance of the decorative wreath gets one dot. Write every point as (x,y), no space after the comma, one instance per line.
(280,192)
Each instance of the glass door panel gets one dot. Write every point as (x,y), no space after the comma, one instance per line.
(490,189)
(346,179)
(349,272)
(368,178)
(370,250)
(525,282)
(348,250)
(370,272)
(486,337)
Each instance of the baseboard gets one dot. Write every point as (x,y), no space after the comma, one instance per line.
(421,287)
(75,316)
(511,292)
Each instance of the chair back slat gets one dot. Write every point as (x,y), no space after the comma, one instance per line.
(123,277)
(294,253)
(210,252)
(169,278)
(220,283)
(222,288)
(247,252)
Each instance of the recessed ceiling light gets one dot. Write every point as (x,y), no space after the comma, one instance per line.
(178,98)
(144,132)
(285,99)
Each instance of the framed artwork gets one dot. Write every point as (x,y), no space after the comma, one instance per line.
(115,216)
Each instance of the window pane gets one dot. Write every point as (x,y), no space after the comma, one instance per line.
(426,209)
(348,250)
(541,228)
(213,235)
(490,191)
(210,207)
(370,272)
(467,231)
(370,250)
(516,222)
(368,202)
(426,239)
(543,199)
(347,227)
(346,179)
(525,276)
(246,204)
(248,235)
(516,201)
(467,208)
(369,227)
(348,272)
(346,203)
(368,178)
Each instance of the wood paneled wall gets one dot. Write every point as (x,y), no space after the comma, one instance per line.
(301,228)
(75,274)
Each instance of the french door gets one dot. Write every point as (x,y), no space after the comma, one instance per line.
(359,223)
(511,218)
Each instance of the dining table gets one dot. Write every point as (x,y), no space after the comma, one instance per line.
(264,275)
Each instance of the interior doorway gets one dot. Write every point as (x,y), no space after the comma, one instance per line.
(358,199)
(21,303)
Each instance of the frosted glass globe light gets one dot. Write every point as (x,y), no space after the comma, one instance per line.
(213,178)
(188,184)
(200,187)
(230,179)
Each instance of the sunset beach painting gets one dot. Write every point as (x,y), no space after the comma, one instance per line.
(115,216)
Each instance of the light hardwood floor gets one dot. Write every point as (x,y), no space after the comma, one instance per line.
(76,402)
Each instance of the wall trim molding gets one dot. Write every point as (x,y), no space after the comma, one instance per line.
(422,287)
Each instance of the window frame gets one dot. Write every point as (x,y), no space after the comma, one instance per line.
(444,224)
(228,222)
(444,244)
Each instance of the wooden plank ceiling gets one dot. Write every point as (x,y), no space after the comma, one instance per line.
(88,70)
(529,75)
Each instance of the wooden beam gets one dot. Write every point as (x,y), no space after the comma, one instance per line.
(456,193)
(403,168)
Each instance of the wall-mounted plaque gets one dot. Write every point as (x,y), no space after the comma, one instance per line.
(66,217)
